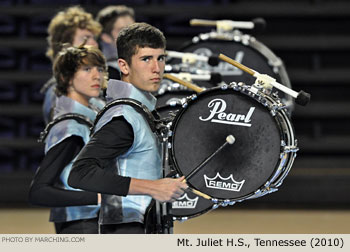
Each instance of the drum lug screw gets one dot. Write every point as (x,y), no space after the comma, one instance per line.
(271,190)
(215,206)
(224,87)
(288,149)
(215,200)
(273,112)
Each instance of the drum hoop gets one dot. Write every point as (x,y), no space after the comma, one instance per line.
(185,217)
(281,118)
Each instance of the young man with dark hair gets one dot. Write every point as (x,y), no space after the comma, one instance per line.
(123,158)
(113,19)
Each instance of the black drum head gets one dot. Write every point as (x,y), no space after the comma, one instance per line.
(238,170)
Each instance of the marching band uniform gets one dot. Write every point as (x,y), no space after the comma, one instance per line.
(72,210)
(130,149)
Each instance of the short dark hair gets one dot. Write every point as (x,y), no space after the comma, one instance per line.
(68,61)
(108,15)
(138,35)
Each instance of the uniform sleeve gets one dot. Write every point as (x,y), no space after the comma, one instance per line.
(94,170)
(44,190)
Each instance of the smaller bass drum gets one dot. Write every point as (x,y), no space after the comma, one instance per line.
(246,50)
(171,94)
(190,205)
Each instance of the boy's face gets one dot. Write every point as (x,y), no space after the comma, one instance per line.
(86,83)
(146,69)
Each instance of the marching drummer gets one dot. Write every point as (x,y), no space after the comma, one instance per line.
(123,158)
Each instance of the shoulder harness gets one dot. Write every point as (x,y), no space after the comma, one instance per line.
(157,125)
(69,116)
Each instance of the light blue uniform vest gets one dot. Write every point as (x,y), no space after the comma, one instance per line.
(59,132)
(142,160)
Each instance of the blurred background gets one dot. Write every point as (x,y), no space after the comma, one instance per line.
(311,37)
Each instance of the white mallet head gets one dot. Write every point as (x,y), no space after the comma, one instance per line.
(230,139)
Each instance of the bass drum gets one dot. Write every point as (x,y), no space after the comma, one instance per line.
(246,50)
(255,164)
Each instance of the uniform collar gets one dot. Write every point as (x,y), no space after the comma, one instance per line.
(66,105)
(119,89)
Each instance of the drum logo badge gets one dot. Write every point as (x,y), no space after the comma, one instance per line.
(221,183)
(218,114)
(185,202)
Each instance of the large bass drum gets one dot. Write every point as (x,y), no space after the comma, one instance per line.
(258,161)
(246,50)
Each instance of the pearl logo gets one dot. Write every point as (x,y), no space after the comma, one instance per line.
(217,114)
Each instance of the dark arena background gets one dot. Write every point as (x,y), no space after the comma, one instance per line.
(311,37)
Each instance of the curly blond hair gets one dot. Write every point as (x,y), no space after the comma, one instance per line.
(63,26)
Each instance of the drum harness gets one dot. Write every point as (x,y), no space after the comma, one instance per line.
(157,125)
(69,116)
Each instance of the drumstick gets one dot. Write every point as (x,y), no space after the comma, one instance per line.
(203,22)
(236,64)
(184,83)
(301,98)
(229,140)
(203,195)
(229,25)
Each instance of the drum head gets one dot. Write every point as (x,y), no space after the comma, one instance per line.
(238,170)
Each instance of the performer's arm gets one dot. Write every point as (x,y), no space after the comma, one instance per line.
(94,169)
(89,170)
(43,190)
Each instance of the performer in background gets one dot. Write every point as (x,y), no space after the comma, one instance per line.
(74,26)
(123,157)
(80,73)
(113,19)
